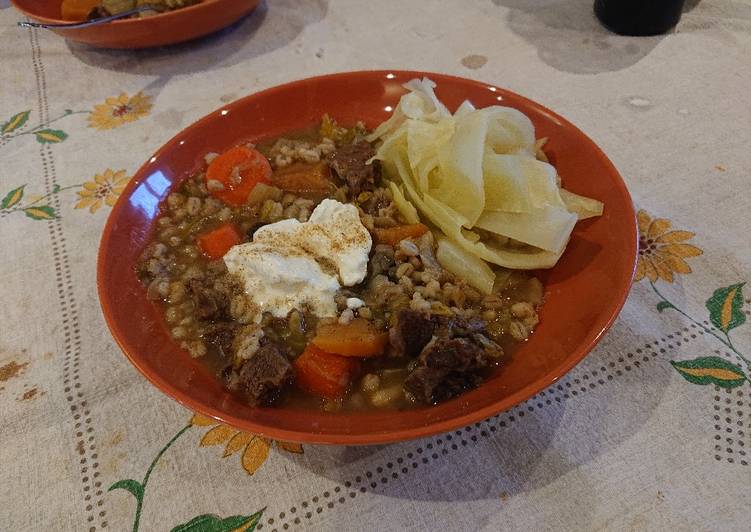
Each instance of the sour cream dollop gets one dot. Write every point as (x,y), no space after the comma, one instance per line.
(290,264)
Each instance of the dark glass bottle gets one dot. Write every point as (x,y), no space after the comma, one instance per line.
(639,17)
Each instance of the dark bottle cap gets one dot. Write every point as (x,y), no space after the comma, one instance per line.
(639,17)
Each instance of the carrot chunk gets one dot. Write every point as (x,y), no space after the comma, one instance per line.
(393,235)
(357,338)
(77,10)
(233,174)
(309,180)
(217,242)
(321,373)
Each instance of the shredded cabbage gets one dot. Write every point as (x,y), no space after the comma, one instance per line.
(406,209)
(476,169)
(547,228)
(582,206)
(420,103)
(461,184)
(517,183)
(465,265)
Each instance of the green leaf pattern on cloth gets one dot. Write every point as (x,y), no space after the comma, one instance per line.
(710,370)
(664,305)
(12,197)
(50,136)
(130,485)
(213,523)
(15,122)
(726,307)
(42,212)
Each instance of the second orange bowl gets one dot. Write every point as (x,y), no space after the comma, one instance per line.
(166,28)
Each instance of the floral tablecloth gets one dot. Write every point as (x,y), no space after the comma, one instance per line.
(652,431)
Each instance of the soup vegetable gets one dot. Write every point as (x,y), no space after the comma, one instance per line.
(326,269)
(91,9)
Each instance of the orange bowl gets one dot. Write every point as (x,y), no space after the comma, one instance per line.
(583,293)
(166,28)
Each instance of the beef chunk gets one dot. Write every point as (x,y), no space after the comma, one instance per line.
(413,330)
(261,378)
(411,333)
(221,334)
(430,386)
(210,303)
(349,162)
(449,366)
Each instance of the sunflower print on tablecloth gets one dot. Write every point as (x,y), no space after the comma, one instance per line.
(119,110)
(255,448)
(662,254)
(104,188)
(661,250)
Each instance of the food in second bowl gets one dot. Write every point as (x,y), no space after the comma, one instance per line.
(91,9)
(317,270)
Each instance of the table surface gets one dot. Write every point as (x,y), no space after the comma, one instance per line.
(651,431)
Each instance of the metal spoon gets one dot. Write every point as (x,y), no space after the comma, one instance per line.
(87,23)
